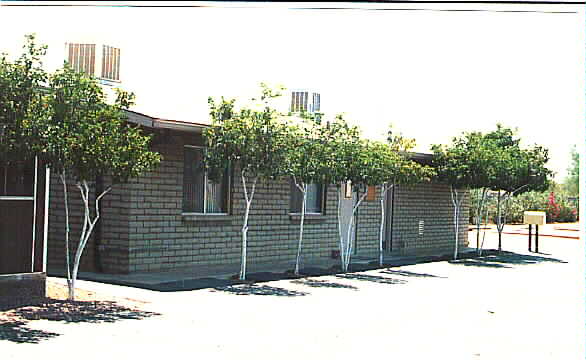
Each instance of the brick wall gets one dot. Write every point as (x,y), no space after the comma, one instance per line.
(432,204)
(143,228)
(161,238)
(114,224)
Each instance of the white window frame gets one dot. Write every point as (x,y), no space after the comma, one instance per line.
(205,181)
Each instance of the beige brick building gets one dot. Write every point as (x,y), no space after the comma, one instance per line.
(148,225)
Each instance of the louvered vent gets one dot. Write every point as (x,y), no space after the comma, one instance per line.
(421,227)
(305,101)
(100,61)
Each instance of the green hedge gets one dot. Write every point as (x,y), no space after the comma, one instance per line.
(558,206)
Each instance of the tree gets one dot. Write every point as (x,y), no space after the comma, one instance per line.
(492,161)
(516,170)
(350,160)
(464,165)
(21,104)
(395,167)
(85,137)
(308,162)
(255,141)
(572,180)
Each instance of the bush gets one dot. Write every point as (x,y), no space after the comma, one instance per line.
(557,206)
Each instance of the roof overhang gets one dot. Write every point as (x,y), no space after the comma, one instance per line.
(155,123)
(421,158)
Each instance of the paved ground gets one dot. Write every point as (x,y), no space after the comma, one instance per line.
(517,306)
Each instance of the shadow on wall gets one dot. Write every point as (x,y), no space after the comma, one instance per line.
(13,323)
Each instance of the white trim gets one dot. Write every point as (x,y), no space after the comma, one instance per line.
(13,198)
(46,224)
(203,214)
(34,240)
(306,214)
(162,124)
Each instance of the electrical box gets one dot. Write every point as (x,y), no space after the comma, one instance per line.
(534,217)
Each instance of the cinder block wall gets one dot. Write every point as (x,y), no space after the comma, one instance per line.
(161,238)
(113,246)
(368,226)
(431,204)
(56,236)
(143,228)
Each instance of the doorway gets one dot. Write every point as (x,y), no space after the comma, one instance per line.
(346,204)
(22,217)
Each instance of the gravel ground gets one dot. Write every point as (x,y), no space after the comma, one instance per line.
(516,306)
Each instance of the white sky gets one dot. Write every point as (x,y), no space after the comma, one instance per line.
(433,74)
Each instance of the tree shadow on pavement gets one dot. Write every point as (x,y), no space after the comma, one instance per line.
(371,278)
(410,274)
(81,311)
(506,258)
(253,289)
(323,284)
(16,331)
(13,323)
(478,263)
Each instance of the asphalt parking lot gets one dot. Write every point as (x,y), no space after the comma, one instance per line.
(518,305)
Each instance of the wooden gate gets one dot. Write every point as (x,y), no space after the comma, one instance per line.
(22,218)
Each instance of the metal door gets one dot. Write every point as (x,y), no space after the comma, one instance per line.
(22,215)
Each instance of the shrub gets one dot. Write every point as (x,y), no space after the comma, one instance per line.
(557,206)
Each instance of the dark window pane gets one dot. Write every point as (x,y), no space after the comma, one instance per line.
(296,198)
(17,179)
(314,199)
(193,179)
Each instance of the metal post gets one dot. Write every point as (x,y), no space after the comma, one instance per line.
(530,230)
(536,238)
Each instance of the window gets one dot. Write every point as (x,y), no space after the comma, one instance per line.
(82,58)
(17,179)
(315,199)
(200,195)
(110,63)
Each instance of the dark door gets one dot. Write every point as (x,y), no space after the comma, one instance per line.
(16,224)
(18,221)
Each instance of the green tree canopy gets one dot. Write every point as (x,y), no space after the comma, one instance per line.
(87,137)
(572,180)
(21,102)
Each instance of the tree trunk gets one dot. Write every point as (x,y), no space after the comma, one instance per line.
(349,234)
(88,226)
(303,189)
(479,218)
(67,260)
(245,224)
(499,219)
(457,203)
(342,248)
(484,231)
(384,190)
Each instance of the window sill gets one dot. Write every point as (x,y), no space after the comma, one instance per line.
(296,217)
(207,217)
